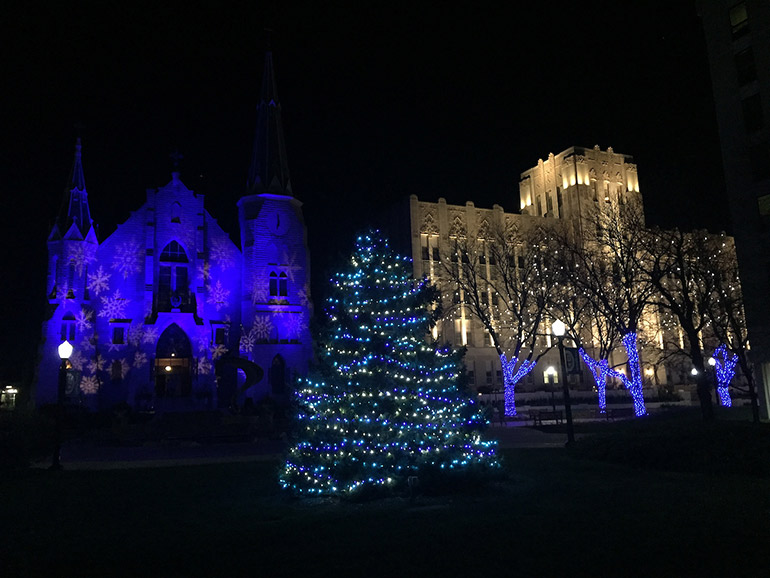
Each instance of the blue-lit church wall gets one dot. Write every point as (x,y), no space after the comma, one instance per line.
(156,311)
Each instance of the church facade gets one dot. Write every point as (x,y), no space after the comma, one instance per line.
(168,311)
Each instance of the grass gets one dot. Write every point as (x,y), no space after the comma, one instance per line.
(555,515)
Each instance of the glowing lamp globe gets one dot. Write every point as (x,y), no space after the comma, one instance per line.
(712,361)
(65,350)
(558,328)
(694,371)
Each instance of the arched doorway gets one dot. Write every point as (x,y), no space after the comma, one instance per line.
(173,361)
(278,376)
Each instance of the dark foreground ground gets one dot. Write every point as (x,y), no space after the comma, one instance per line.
(560,512)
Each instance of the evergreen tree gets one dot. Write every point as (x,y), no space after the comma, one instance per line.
(384,404)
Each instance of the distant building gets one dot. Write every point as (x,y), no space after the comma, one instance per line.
(167,312)
(738,40)
(566,188)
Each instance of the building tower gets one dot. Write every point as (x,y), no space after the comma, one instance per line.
(72,247)
(275,296)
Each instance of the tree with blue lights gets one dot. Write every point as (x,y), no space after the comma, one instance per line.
(503,277)
(384,405)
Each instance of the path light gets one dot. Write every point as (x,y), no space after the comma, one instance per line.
(559,329)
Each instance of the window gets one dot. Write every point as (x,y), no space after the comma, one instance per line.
(499,377)
(283,285)
(273,285)
(173,252)
(220,336)
(424,247)
(436,255)
(739,20)
(744,66)
(539,206)
(548,203)
(173,279)
(68,328)
(753,118)
(118,335)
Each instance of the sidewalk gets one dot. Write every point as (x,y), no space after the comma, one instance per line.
(87,455)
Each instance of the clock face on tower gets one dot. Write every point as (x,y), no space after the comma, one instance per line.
(278,224)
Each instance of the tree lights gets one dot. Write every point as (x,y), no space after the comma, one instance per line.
(724,366)
(383,405)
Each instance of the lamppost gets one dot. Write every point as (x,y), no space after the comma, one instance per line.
(559,329)
(65,351)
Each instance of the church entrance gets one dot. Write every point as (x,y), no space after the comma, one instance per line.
(173,363)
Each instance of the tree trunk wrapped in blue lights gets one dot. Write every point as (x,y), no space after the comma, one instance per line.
(384,404)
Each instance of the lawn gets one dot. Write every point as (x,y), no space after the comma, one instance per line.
(555,515)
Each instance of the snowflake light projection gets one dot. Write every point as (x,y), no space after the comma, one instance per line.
(263,327)
(218,295)
(221,254)
(247,341)
(511,377)
(64,294)
(140,360)
(724,367)
(218,351)
(294,324)
(303,295)
(291,266)
(124,367)
(77,360)
(99,281)
(89,385)
(95,363)
(203,273)
(114,307)
(204,366)
(259,290)
(81,256)
(128,258)
(83,319)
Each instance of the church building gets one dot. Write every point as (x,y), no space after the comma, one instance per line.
(168,312)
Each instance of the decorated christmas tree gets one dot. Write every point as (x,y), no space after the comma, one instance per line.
(384,408)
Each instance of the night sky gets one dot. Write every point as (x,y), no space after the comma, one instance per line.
(380,100)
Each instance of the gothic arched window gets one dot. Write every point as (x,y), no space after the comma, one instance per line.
(173,279)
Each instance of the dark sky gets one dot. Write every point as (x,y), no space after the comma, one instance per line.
(380,100)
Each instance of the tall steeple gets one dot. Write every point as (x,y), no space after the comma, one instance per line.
(269,170)
(74,219)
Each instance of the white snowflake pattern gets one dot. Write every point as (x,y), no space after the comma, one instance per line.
(89,385)
(96,363)
(218,351)
(203,342)
(98,282)
(259,290)
(81,256)
(114,307)
(221,254)
(64,294)
(124,368)
(304,296)
(115,346)
(128,258)
(262,327)
(204,366)
(203,272)
(247,341)
(295,325)
(77,360)
(218,295)
(150,335)
(135,334)
(86,344)
(83,319)
(140,360)
(291,266)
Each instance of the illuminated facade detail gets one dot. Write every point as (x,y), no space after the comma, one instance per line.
(155,308)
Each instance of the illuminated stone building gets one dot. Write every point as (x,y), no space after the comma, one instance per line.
(168,312)
(567,187)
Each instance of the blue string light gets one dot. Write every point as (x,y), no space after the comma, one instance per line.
(512,376)
(384,404)
(599,369)
(634,383)
(725,371)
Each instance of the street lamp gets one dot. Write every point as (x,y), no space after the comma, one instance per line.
(559,329)
(65,351)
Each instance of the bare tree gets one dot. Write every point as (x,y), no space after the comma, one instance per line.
(502,276)
(606,246)
(683,275)
(725,308)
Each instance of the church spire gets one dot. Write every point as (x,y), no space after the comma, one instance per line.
(269,170)
(75,217)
